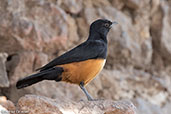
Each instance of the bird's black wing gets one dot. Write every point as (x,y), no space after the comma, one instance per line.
(84,51)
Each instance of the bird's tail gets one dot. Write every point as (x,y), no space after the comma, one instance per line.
(50,74)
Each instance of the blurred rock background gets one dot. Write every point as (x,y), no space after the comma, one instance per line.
(32,32)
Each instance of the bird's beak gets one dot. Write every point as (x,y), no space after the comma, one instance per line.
(114,23)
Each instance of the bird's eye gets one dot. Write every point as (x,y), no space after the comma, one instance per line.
(106,25)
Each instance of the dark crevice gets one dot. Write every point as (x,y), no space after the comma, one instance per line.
(73,15)
(34,64)
(131,12)
(9,58)
(5,92)
(11,63)
(56,53)
(155,32)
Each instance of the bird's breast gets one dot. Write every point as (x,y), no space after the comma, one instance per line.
(82,71)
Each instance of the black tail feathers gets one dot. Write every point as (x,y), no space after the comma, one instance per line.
(50,74)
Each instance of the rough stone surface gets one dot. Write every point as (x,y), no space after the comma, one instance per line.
(167,109)
(26,61)
(3,110)
(123,86)
(3,74)
(7,104)
(32,27)
(36,104)
(32,32)
(165,33)
(146,108)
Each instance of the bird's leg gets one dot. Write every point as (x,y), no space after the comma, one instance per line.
(85,91)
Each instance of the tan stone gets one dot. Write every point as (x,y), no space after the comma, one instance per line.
(3,74)
(37,104)
(7,104)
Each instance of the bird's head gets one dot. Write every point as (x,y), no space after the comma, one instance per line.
(101,27)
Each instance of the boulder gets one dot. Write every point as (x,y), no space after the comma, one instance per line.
(37,104)
(160,30)
(34,28)
(3,110)
(6,105)
(26,61)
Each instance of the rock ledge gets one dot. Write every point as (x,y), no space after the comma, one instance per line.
(43,105)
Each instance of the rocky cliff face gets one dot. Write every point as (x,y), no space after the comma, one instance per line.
(32,32)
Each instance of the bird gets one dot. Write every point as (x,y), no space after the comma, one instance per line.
(79,65)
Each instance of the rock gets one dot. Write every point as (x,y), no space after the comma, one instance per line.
(32,104)
(121,85)
(71,6)
(26,20)
(118,4)
(38,105)
(26,61)
(144,107)
(3,74)
(166,108)
(137,4)
(72,32)
(166,32)
(161,17)
(9,43)
(7,104)
(3,110)
(134,4)
(157,15)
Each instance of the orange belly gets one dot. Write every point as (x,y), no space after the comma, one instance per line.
(82,71)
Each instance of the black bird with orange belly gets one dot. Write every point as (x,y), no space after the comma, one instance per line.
(79,65)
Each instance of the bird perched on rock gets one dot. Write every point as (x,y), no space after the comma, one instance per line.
(79,65)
